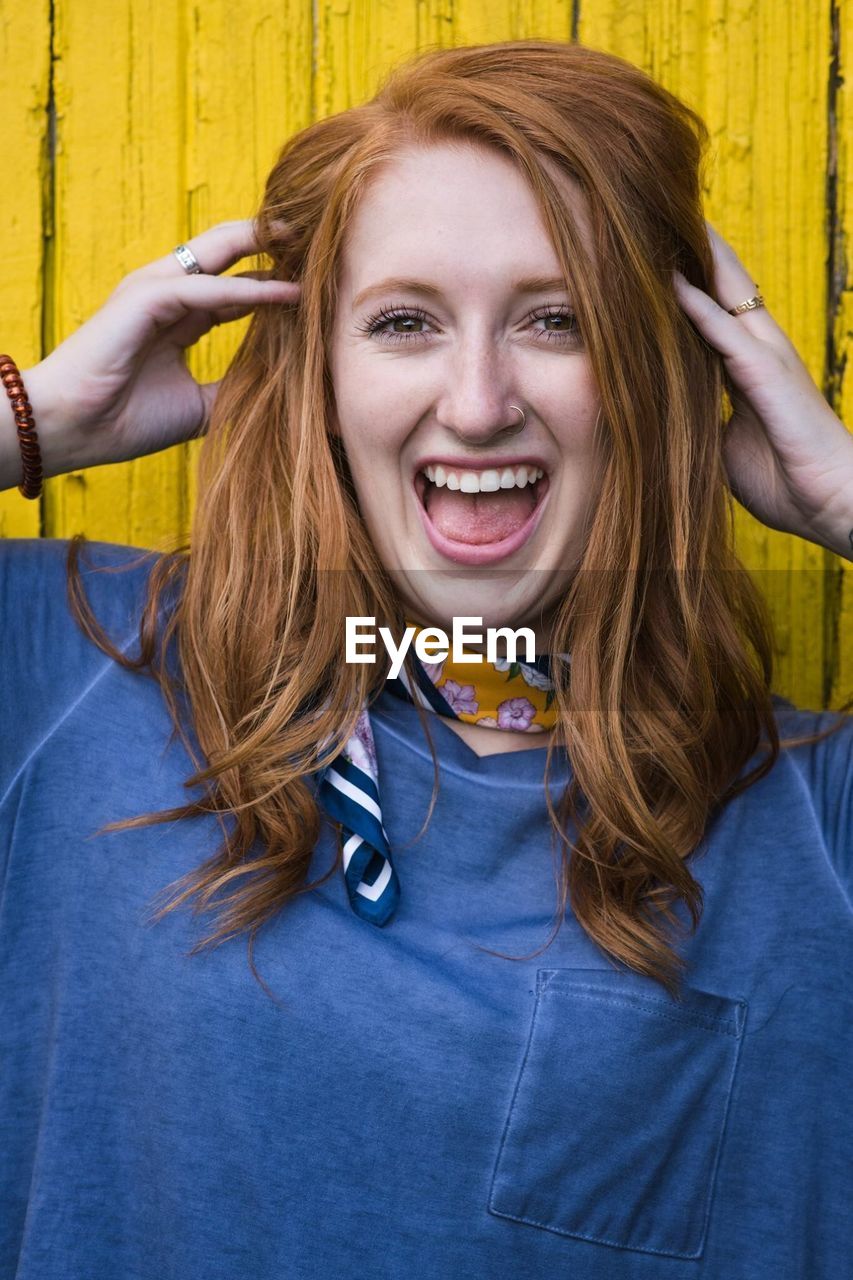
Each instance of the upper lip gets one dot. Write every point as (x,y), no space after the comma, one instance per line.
(494,463)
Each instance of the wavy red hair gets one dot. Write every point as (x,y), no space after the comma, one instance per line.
(669,695)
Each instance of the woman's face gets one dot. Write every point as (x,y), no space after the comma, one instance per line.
(446,318)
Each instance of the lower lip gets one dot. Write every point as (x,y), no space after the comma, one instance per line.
(483,552)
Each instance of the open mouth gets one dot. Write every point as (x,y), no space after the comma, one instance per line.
(479,515)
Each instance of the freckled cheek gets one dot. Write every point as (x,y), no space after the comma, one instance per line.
(373,440)
(574,431)
(376,430)
(569,406)
(365,423)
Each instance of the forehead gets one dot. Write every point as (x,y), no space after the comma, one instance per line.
(455,210)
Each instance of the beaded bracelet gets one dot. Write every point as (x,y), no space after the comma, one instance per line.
(10,376)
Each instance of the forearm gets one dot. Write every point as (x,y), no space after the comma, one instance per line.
(837,534)
(827,519)
(59,446)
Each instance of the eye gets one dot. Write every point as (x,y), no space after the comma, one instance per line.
(380,325)
(568,333)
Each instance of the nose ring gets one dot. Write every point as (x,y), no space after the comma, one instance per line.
(515,430)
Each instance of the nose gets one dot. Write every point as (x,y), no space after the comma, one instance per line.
(478,390)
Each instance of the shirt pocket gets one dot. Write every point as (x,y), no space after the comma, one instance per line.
(616,1122)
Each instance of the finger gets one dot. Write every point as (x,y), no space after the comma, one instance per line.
(186,332)
(264,273)
(143,306)
(733,284)
(216,249)
(722,330)
(224,315)
(730,334)
(215,300)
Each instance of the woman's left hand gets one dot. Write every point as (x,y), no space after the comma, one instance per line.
(788,457)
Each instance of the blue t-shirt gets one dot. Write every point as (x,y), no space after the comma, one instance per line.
(411,1104)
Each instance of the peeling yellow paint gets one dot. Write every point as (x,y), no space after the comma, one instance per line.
(758,72)
(169,115)
(840,657)
(24,89)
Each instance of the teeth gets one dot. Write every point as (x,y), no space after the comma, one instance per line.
(488,481)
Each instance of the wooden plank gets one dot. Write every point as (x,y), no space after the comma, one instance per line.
(359,40)
(478,22)
(119,203)
(758,74)
(24,207)
(248,90)
(158,139)
(840,641)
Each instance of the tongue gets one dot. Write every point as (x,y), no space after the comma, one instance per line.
(478,517)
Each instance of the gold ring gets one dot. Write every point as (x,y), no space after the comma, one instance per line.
(751,304)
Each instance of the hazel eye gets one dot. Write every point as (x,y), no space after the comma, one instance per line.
(569,332)
(378,324)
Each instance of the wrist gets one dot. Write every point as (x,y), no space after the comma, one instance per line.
(59,445)
(834,529)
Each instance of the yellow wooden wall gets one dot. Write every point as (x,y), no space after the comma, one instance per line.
(134,124)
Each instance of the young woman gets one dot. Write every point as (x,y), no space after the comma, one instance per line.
(483,379)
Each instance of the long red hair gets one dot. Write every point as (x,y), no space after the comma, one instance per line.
(669,690)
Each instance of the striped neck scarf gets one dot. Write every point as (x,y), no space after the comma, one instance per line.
(515,696)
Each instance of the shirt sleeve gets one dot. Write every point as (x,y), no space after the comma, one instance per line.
(47,662)
(834,769)
(827,767)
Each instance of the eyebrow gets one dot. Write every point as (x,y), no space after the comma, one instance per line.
(533,284)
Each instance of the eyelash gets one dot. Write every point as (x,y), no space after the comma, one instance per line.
(377,322)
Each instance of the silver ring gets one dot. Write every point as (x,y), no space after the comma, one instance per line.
(188,260)
(514,431)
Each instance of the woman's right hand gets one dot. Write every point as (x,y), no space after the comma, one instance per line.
(118,387)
